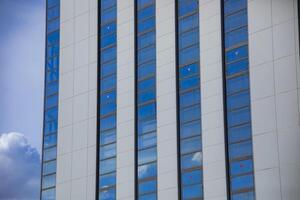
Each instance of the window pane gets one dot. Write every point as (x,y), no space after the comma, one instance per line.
(107,123)
(146,156)
(108,180)
(147,126)
(49,154)
(187,6)
(108,54)
(50,127)
(237,84)
(49,167)
(146,25)
(51,101)
(148,197)
(146,39)
(108,137)
(236,37)
(190,82)
(240,150)
(238,117)
(108,68)
(189,55)
(241,167)
(146,171)
(188,23)
(108,40)
(147,140)
(242,182)
(193,177)
(238,100)
(236,54)
(108,15)
(143,3)
(234,5)
(190,129)
(244,196)
(50,140)
(146,12)
(189,98)
(146,96)
(146,54)
(108,29)
(191,145)
(147,111)
(189,114)
(48,194)
(48,181)
(146,84)
(237,67)
(108,83)
(189,70)
(109,194)
(240,133)
(191,160)
(192,192)
(107,4)
(107,166)
(147,187)
(188,39)
(236,21)
(146,70)
(108,151)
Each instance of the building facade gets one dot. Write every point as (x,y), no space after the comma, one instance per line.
(171,100)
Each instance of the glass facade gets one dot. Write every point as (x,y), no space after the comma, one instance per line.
(107,99)
(237,92)
(50,101)
(146,160)
(188,91)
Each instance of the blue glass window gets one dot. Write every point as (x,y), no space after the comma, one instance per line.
(49,167)
(238,109)
(146,100)
(189,113)
(48,194)
(107,100)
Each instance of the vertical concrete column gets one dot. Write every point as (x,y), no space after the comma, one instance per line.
(125,100)
(274,84)
(214,167)
(166,100)
(76,151)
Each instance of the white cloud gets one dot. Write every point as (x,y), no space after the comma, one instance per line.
(19,168)
(197,157)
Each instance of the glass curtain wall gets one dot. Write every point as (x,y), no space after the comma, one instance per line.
(107,54)
(146,160)
(237,93)
(51,101)
(188,91)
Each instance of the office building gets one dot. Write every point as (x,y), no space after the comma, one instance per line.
(172,100)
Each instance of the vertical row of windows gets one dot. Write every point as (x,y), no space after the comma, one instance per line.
(107,100)
(236,75)
(51,101)
(146,160)
(189,111)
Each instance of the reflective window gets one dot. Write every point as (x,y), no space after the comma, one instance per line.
(146,100)
(189,99)
(50,100)
(238,100)
(107,100)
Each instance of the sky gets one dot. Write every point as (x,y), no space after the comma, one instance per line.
(22,32)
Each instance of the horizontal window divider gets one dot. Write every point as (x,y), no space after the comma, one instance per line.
(101,160)
(194,12)
(237,92)
(147,148)
(52,147)
(190,76)
(108,173)
(192,169)
(242,174)
(187,122)
(241,141)
(241,158)
(47,161)
(145,6)
(147,102)
(190,153)
(147,78)
(111,21)
(190,63)
(242,73)
(50,174)
(48,188)
(189,89)
(244,190)
(149,132)
(190,106)
(147,193)
(238,108)
(196,28)
(108,114)
(47,33)
(107,144)
(146,31)
(236,29)
(189,185)
(108,8)
(187,47)
(236,46)
(235,12)
(152,45)
(109,46)
(151,178)
(106,188)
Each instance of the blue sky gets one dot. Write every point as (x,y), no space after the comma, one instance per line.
(22,67)
(22,25)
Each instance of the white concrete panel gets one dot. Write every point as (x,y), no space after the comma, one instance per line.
(81,103)
(63,191)
(81,80)
(125,100)
(81,26)
(78,189)
(80,135)
(81,6)
(79,163)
